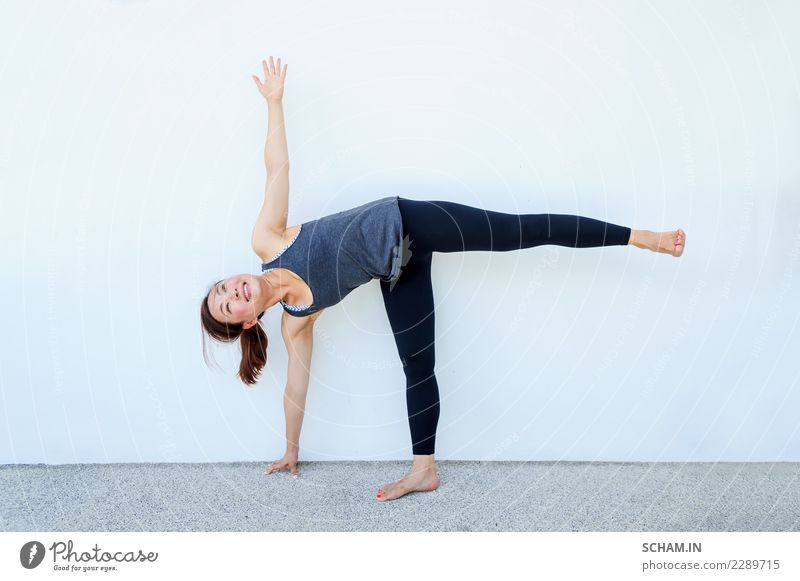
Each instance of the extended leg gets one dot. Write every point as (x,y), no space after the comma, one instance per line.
(442,226)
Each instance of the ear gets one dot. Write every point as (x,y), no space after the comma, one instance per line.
(248,324)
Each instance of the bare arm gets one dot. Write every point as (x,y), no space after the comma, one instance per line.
(298,335)
(276,152)
(274,212)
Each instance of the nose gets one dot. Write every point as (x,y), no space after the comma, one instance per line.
(232,293)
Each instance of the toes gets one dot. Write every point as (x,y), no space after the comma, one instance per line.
(680,240)
(390,491)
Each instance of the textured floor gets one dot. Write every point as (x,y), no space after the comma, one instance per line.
(340,496)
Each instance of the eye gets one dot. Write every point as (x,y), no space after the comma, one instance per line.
(227,305)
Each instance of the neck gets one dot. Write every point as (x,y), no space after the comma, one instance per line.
(280,283)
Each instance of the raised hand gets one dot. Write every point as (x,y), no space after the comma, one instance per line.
(271,88)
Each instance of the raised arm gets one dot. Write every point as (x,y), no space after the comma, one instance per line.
(276,154)
(274,212)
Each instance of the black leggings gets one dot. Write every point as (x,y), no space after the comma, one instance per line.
(440,226)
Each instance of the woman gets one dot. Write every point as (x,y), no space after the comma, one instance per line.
(314,265)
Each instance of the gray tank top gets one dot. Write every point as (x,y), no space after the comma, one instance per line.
(339,252)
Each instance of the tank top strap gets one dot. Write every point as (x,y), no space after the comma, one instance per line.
(265,268)
(286,246)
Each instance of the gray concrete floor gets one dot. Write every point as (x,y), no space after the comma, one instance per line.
(340,496)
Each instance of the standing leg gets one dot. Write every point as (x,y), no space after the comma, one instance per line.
(409,306)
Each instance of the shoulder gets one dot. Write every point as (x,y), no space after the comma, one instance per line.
(268,243)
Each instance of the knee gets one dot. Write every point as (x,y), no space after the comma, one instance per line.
(419,367)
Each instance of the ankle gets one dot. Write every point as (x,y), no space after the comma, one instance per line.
(421,461)
(639,239)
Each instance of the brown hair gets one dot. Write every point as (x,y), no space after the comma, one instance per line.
(253,340)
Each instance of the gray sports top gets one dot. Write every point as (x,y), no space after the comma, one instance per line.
(339,252)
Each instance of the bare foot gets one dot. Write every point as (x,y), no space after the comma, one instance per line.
(418,479)
(672,242)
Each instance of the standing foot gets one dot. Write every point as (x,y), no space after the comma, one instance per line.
(421,478)
(671,242)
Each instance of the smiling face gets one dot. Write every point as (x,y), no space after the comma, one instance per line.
(239,299)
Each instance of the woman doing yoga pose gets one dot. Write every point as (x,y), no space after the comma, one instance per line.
(314,265)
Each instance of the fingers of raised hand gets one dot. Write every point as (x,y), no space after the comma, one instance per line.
(272,69)
(271,66)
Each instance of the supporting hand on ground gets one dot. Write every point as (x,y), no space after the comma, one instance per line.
(288,462)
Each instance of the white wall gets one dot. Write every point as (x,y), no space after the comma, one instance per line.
(131,172)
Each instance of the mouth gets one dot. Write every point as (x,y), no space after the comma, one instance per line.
(246,292)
